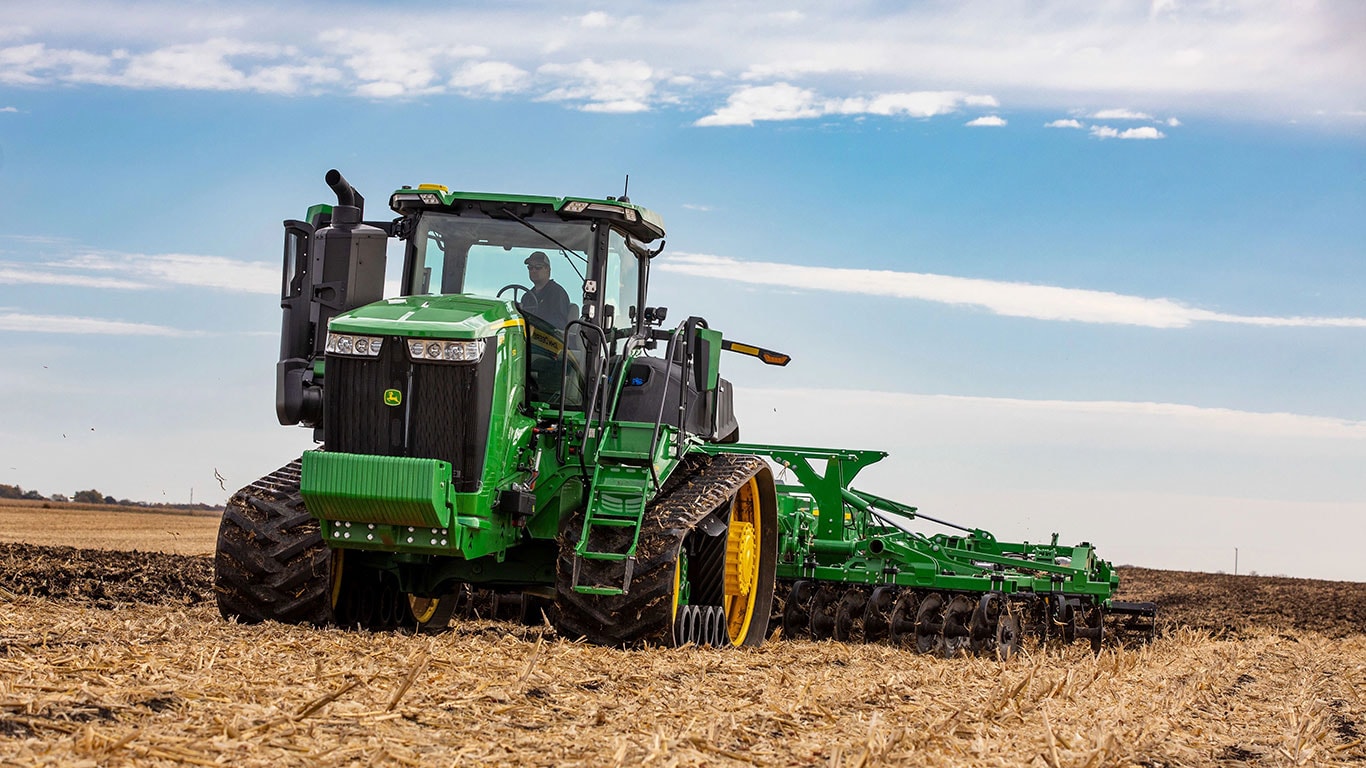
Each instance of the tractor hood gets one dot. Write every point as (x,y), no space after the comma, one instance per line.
(437,317)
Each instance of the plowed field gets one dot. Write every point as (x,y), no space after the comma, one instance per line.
(120,658)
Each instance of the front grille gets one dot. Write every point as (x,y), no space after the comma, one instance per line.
(444,413)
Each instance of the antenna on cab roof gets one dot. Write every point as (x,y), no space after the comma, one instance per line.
(624,188)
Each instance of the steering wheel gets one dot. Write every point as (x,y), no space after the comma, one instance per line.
(514,287)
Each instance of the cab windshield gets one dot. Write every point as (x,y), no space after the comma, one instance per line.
(541,269)
(503,258)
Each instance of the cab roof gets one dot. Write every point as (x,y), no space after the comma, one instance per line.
(642,223)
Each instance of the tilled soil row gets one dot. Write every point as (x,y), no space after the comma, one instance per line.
(1234,606)
(105,579)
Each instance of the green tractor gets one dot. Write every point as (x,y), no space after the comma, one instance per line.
(568,452)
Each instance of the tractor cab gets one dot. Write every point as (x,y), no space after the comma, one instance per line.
(564,278)
(569,272)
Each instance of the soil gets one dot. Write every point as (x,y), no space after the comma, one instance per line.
(1221,604)
(1231,606)
(103,578)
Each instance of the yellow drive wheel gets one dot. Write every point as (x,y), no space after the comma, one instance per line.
(742,561)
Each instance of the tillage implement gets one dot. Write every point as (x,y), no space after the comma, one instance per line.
(514,419)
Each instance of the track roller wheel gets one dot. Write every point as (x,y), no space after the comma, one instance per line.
(929,624)
(957,616)
(717,626)
(849,614)
(823,614)
(797,609)
(685,625)
(877,614)
(701,625)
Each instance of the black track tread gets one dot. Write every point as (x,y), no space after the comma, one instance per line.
(271,563)
(700,485)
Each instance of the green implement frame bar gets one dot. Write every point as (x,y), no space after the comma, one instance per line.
(836,533)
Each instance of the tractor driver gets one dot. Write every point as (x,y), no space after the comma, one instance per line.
(547,299)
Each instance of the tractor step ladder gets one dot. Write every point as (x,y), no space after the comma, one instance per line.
(617,502)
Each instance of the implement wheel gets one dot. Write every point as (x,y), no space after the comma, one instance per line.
(797,609)
(929,624)
(877,613)
(823,614)
(957,617)
(901,623)
(1007,633)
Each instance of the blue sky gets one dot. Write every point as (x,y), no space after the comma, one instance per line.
(1093,268)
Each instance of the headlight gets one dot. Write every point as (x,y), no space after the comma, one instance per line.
(352,345)
(581,206)
(424,350)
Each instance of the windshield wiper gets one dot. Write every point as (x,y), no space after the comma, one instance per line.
(564,249)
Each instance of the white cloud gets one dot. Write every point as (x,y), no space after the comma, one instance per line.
(15,32)
(219,64)
(391,64)
(609,86)
(1120,114)
(1173,122)
(784,101)
(911,104)
(1145,132)
(184,269)
(764,102)
(194,65)
(1064,123)
(9,109)
(28,276)
(1157,415)
(35,64)
(24,323)
(1255,60)
(490,78)
(696,207)
(60,261)
(594,20)
(1040,302)
(992,121)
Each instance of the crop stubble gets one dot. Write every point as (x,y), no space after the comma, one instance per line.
(107,659)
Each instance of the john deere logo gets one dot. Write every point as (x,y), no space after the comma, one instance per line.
(393,397)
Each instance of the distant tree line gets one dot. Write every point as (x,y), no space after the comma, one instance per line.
(90,496)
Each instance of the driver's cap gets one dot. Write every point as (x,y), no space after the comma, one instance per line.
(538,259)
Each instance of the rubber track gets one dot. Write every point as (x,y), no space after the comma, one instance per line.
(271,562)
(697,487)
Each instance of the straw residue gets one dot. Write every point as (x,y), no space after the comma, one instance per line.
(149,685)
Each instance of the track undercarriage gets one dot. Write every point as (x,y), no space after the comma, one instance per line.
(712,566)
